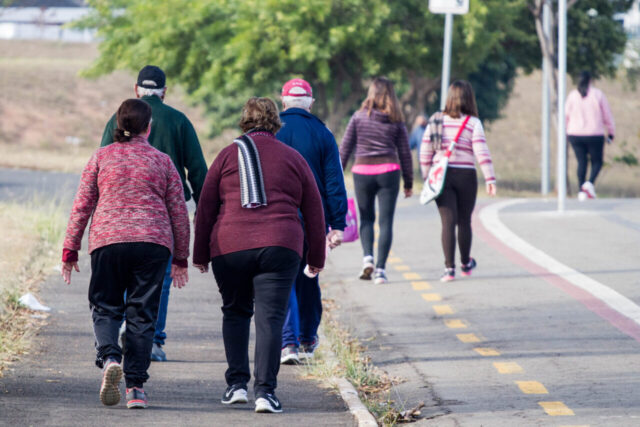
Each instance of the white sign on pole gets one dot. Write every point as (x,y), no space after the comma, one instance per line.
(456,7)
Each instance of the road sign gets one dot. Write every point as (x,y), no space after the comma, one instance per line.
(456,7)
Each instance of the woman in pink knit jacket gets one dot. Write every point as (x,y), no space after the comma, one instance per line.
(134,197)
(588,116)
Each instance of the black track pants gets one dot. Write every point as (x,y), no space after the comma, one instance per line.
(138,269)
(585,148)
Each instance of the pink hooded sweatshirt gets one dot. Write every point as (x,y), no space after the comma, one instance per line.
(588,116)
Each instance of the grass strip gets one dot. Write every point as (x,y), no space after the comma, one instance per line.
(33,234)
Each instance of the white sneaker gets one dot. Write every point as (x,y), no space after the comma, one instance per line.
(367,268)
(582,196)
(380,277)
(588,188)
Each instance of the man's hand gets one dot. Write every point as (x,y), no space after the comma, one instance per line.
(334,238)
(67,268)
(202,268)
(180,275)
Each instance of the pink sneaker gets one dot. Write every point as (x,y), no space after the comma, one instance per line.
(448,275)
(465,270)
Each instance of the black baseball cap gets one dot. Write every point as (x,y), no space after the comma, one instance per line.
(151,77)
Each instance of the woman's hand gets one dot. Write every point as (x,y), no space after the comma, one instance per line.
(202,268)
(408,193)
(180,275)
(314,270)
(491,188)
(67,268)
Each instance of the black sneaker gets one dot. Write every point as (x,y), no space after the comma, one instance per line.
(236,393)
(465,270)
(268,403)
(307,349)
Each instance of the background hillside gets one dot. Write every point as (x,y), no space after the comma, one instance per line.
(52,119)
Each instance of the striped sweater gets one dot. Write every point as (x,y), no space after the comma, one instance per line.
(375,136)
(471,147)
(132,192)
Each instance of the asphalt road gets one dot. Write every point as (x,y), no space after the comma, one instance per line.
(515,344)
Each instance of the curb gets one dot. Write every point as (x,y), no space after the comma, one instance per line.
(356,407)
(349,393)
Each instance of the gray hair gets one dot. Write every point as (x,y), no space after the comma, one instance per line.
(303,102)
(143,91)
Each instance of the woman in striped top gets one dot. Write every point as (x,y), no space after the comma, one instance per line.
(377,134)
(458,197)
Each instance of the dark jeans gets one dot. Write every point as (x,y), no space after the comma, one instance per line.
(304,311)
(385,187)
(455,206)
(262,277)
(137,269)
(588,147)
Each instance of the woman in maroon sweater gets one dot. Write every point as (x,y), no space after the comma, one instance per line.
(255,244)
(377,134)
(134,197)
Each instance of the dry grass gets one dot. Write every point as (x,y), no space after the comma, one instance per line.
(52,119)
(29,248)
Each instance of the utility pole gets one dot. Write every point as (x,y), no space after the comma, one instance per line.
(562,88)
(546,104)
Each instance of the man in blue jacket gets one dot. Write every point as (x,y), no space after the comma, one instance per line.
(307,134)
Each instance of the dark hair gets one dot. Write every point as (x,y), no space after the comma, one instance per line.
(260,113)
(584,82)
(133,118)
(382,97)
(461,100)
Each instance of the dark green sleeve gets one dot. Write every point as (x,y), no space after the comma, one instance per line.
(193,159)
(107,135)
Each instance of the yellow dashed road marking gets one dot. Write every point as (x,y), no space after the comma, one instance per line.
(441,310)
(421,286)
(508,367)
(532,387)
(468,338)
(455,323)
(402,267)
(556,409)
(486,351)
(394,260)
(431,297)
(412,276)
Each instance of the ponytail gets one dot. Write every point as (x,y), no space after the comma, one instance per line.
(133,119)
(584,82)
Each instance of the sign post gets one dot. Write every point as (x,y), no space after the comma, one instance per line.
(448,8)
(546,102)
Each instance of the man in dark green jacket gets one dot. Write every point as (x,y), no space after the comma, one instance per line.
(173,134)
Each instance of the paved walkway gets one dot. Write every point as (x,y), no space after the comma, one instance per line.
(57,383)
(515,344)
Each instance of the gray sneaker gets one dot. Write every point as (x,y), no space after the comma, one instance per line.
(157,353)
(289,355)
(111,376)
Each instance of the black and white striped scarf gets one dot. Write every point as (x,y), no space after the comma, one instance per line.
(252,194)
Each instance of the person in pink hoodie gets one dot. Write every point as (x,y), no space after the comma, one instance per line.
(588,117)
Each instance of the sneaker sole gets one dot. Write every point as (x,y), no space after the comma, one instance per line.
(366,273)
(265,408)
(447,279)
(109,392)
(465,274)
(291,359)
(381,281)
(236,399)
(137,404)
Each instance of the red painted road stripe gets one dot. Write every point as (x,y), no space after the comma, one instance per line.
(621,322)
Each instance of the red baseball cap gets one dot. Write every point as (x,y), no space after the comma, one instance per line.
(297,87)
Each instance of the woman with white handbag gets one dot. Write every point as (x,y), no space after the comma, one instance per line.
(453,142)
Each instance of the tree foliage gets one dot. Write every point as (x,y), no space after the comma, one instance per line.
(223,51)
